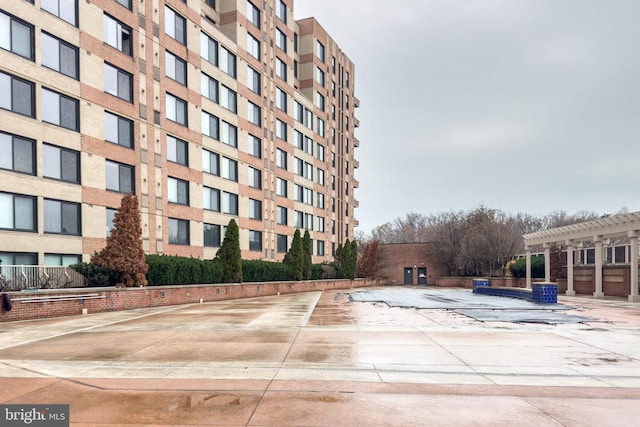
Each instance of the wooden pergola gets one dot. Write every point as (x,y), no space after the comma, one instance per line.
(596,232)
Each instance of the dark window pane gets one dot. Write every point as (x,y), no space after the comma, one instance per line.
(69,61)
(22,97)
(124,133)
(68,113)
(125,180)
(23,155)
(69,166)
(70,217)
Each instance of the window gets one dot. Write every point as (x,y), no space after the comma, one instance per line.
(281,187)
(281,99)
(60,260)
(227,62)
(298,166)
(176,109)
(63,9)
(254,146)
(295,42)
(299,112)
(175,25)
(111,214)
(320,247)
(118,130)
(308,196)
(281,11)
(298,219)
(210,162)
(254,114)
(211,3)
(308,171)
(282,215)
(229,134)
(320,176)
(308,118)
(119,177)
(281,40)
(210,125)
(282,244)
(320,51)
(125,3)
(177,151)
(253,14)
(60,110)
(308,145)
(178,231)
(319,76)
(178,191)
(229,169)
(281,69)
(320,152)
(228,99)
(61,163)
(255,209)
(16,36)
(116,34)
(209,87)
(255,240)
(17,154)
(320,224)
(18,258)
(320,200)
(319,101)
(281,158)
(175,68)
(212,235)
(118,82)
(208,49)
(211,199)
(320,129)
(308,221)
(255,178)
(298,193)
(253,46)
(17,95)
(17,212)
(298,139)
(229,203)
(61,217)
(253,80)
(281,129)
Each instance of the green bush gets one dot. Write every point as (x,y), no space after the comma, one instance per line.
(264,271)
(176,270)
(519,267)
(317,271)
(96,276)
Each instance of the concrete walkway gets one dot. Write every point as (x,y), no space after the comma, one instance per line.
(317,359)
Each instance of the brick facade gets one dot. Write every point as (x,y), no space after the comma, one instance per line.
(395,258)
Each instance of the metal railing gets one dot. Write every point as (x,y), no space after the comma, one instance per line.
(32,277)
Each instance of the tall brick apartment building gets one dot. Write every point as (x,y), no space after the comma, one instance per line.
(207,110)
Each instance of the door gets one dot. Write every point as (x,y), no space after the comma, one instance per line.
(408,276)
(422,276)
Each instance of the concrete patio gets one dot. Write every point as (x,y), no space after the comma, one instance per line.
(319,359)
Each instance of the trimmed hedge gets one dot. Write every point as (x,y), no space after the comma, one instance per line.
(177,270)
(96,276)
(519,267)
(264,271)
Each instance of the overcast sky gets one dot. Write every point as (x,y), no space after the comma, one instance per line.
(519,105)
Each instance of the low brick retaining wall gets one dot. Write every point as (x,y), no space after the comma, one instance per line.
(41,304)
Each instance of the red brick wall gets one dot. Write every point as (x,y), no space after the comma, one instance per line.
(116,299)
(392,258)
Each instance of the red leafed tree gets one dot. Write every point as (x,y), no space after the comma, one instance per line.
(123,253)
(368,263)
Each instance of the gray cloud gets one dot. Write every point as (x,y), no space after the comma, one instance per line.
(528,105)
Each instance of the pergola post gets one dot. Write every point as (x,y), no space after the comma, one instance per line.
(598,270)
(633,279)
(528,269)
(570,290)
(547,262)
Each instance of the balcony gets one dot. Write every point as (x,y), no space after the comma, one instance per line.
(356,142)
(355,222)
(356,203)
(356,183)
(356,164)
(356,102)
(356,122)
